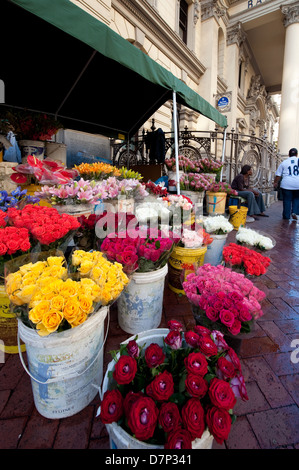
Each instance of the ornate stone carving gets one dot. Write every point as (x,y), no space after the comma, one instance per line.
(211,8)
(196,11)
(256,88)
(235,34)
(291,14)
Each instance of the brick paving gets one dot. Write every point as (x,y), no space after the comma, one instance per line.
(269,420)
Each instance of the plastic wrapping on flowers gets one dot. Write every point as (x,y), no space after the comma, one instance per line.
(168,395)
(223,299)
(50,298)
(255,239)
(249,261)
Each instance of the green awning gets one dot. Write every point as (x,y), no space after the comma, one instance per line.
(67,63)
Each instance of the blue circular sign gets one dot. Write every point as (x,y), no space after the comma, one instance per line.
(222,102)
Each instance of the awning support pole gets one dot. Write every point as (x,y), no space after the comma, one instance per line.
(176,144)
(223,152)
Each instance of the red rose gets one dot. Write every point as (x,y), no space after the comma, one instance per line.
(154,355)
(193,417)
(196,385)
(207,346)
(191,338)
(201,330)
(169,416)
(212,313)
(232,357)
(179,439)
(219,423)
(162,387)
(130,398)
(225,369)
(3,249)
(12,246)
(175,325)
(221,394)
(143,417)
(111,407)
(125,370)
(236,327)
(174,339)
(196,363)
(227,317)
(133,348)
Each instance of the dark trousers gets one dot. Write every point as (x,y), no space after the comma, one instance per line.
(290,202)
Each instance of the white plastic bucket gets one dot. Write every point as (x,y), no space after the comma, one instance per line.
(120,439)
(66,368)
(56,151)
(214,251)
(32,147)
(140,303)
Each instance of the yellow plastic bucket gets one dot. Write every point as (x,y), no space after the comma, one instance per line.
(215,202)
(237,216)
(8,326)
(183,259)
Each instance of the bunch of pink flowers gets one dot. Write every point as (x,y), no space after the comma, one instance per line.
(209,280)
(140,253)
(112,188)
(194,182)
(75,192)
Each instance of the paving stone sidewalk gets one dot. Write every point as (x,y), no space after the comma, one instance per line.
(269,420)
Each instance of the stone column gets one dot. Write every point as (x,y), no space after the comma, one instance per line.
(289,110)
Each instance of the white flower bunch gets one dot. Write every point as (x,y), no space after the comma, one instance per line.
(218,225)
(253,238)
(192,239)
(151,210)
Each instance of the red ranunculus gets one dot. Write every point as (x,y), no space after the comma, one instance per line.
(143,417)
(154,355)
(193,417)
(179,439)
(221,394)
(112,406)
(169,416)
(196,363)
(196,385)
(125,370)
(219,423)
(162,387)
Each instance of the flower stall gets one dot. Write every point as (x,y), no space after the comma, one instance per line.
(219,228)
(171,389)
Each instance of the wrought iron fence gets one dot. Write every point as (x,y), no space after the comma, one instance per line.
(236,150)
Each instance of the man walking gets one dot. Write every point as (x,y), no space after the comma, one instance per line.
(288,173)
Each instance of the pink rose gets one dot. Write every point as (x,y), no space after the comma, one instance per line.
(238,387)
(227,317)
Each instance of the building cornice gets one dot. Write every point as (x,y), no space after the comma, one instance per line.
(161,35)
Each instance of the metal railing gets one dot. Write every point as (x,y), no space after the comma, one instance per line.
(239,150)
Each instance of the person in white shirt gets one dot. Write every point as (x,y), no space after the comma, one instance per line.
(288,174)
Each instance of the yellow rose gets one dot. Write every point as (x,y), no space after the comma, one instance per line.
(27,293)
(57,303)
(44,282)
(69,288)
(85,303)
(81,318)
(71,310)
(13,283)
(55,260)
(85,267)
(25,268)
(50,322)
(37,312)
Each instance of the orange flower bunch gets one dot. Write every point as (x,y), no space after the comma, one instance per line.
(97,170)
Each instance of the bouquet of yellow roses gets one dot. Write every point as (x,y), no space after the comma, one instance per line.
(48,298)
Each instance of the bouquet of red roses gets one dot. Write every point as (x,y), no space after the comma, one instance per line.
(13,242)
(44,224)
(169,394)
(249,261)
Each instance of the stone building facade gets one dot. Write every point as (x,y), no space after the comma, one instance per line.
(236,54)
